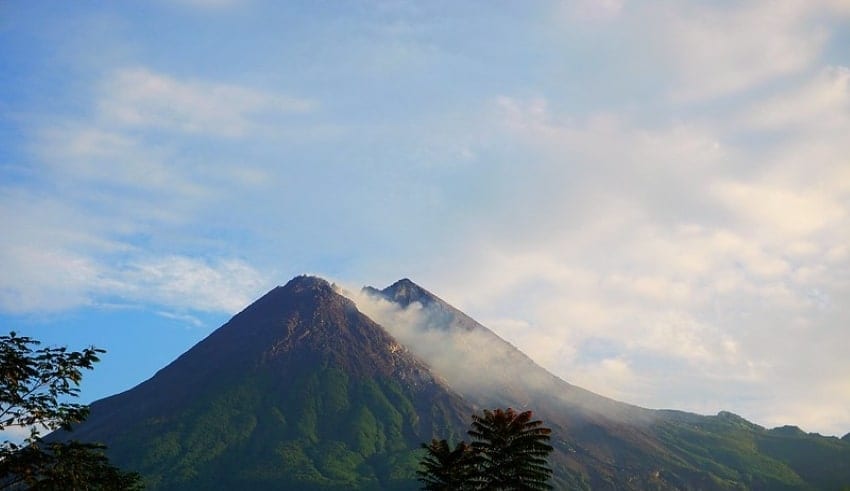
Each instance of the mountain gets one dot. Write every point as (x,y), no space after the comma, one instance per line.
(299,390)
(306,389)
(601,443)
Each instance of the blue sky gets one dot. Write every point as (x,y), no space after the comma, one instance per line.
(650,198)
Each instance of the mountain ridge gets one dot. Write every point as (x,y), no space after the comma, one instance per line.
(305,389)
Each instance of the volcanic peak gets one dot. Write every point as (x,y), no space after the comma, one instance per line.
(302,283)
(404,292)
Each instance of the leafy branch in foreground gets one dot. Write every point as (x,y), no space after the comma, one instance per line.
(35,385)
(33,381)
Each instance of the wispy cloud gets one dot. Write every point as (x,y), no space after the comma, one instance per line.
(224,285)
(143,98)
(41,279)
(719,51)
(819,105)
(104,182)
(184,318)
(794,213)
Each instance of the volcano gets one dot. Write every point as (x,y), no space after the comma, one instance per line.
(306,389)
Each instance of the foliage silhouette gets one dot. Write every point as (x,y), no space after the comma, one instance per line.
(35,384)
(445,469)
(509,451)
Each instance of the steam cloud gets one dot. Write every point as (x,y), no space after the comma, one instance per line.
(477,363)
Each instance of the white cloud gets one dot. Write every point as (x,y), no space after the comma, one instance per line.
(44,279)
(819,411)
(100,186)
(82,157)
(140,97)
(59,257)
(678,257)
(613,377)
(224,285)
(46,256)
(791,213)
(822,104)
(184,318)
(721,50)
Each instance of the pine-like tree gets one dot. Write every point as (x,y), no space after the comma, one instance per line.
(511,450)
(445,469)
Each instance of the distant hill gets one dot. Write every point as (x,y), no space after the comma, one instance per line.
(302,390)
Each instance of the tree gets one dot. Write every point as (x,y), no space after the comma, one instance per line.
(509,451)
(445,469)
(36,385)
(512,450)
(63,466)
(33,382)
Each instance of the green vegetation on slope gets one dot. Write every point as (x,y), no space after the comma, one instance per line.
(320,430)
(738,454)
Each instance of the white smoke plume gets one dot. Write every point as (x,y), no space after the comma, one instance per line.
(478,364)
